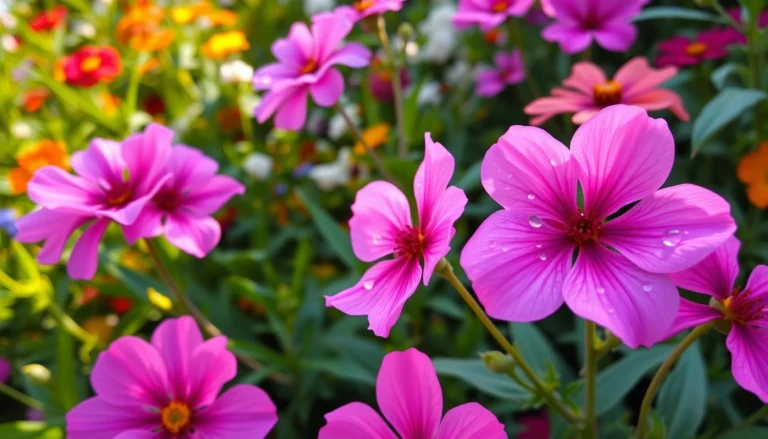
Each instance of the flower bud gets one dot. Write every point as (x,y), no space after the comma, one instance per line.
(497,361)
(37,374)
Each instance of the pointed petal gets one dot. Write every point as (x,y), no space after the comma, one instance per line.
(196,236)
(353,55)
(266,77)
(242,412)
(84,259)
(409,394)
(147,154)
(470,421)
(54,188)
(329,30)
(749,362)
(328,88)
(379,213)
(355,420)
(147,225)
(211,367)
(211,194)
(101,163)
(571,37)
(616,36)
(293,112)
(638,77)
(661,100)
(584,77)
(438,239)
(175,340)
(95,418)
(189,167)
(716,274)
(692,314)
(271,102)
(50,226)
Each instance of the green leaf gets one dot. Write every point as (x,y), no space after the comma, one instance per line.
(683,397)
(672,12)
(345,370)
(721,75)
(27,263)
(470,180)
(29,430)
(745,433)
(724,108)
(474,373)
(337,239)
(65,372)
(537,350)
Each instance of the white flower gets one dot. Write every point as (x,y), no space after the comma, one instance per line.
(21,130)
(84,29)
(248,103)
(235,71)
(429,94)
(9,43)
(312,7)
(442,37)
(8,20)
(459,73)
(337,126)
(332,175)
(258,165)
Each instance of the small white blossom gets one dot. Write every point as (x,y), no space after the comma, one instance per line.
(312,7)
(258,165)
(21,130)
(9,43)
(329,176)
(429,94)
(442,37)
(83,29)
(235,72)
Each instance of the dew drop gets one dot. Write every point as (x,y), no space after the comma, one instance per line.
(538,245)
(535,222)
(376,239)
(671,238)
(647,288)
(368,285)
(543,257)
(553,162)
(505,248)
(686,232)
(493,244)
(611,310)
(600,290)
(531,197)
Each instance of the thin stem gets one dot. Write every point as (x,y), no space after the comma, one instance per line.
(27,400)
(445,269)
(662,373)
(371,153)
(70,326)
(723,13)
(517,39)
(397,87)
(590,380)
(756,417)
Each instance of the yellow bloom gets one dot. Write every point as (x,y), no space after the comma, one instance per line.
(753,171)
(188,14)
(222,45)
(374,136)
(222,17)
(140,29)
(43,153)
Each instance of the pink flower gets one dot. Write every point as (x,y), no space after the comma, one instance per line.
(520,259)
(536,426)
(360,9)
(488,14)
(743,310)
(381,225)
(508,70)
(609,22)
(168,389)
(114,183)
(681,51)
(588,91)
(306,61)
(737,37)
(5,370)
(410,397)
(183,207)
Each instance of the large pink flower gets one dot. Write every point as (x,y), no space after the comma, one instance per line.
(708,45)
(360,9)
(520,260)
(381,225)
(507,70)
(306,61)
(181,209)
(743,309)
(578,22)
(588,91)
(114,182)
(168,389)
(410,397)
(488,14)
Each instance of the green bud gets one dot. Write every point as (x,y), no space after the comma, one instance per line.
(37,374)
(406,32)
(497,361)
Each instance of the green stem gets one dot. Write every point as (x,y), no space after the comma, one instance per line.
(590,379)
(726,16)
(371,153)
(445,269)
(662,373)
(756,417)
(28,401)
(70,326)
(517,38)
(397,87)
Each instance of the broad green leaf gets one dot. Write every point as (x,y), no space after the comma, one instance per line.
(724,108)
(29,430)
(470,180)
(672,12)
(345,370)
(337,239)
(745,433)
(683,397)
(474,373)
(537,350)
(721,75)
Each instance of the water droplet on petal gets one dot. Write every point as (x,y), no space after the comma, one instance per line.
(671,238)
(538,245)
(685,232)
(376,239)
(505,248)
(535,222)
(600,290)
(611,310)
(531,197)
(493,244)
(543,257)
(368,285)
(553,162)
(647,288)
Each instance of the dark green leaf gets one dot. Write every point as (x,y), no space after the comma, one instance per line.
(337,239)
(724,108)
(672,12)
(746,433)
(683,397)
(474,373)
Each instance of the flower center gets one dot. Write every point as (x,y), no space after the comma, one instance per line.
(119,196)
(168,200)
(742,307)
(607,93)
(500,6)
(584,227)
(90,64)
(310,67)
(410,243)
(362,5)
(176,417)
(696,49)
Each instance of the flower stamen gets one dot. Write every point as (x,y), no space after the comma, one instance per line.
(410,243)
(310,67)
(362,5)
(607,93)
(176,417)
(696,49)
(584,227)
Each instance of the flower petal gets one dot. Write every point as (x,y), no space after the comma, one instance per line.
(616,36)
(606,288)
(175,340)
(147,154)
(638,77)
(661,100)
(584,77)
(141,434)
(211,194)
(328,88)
(266,77)
(692,314)
(192,235)
(84,259)
(355,420)
(470,421)
(149,224)
(624,156)
(101,163)
(438,239)
(293,112)
(211,366)
(517,269)
(54,188)
(53,227)
(329,30)
(95,418)
(409,394)
(189,166)
(749,362)
(671,230)
(242,412)
(571,37)
(716,274)
(353,55)
(379,213)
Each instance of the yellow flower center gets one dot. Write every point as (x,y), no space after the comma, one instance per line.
(362,5)
(176,417)
(310,67)
(90,64)
(607,93)
(696,49)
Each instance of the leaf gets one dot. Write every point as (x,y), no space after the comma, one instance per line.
(724,108)
(722,74)
(683,397)
(537,350)
(672,12)
(345,370)
(470,180)
(474,373)
(337,239)
(745,433)
(29,430)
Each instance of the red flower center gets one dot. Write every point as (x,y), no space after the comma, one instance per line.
(119,196)
(743,307)
(90,64)
(607,93)
(410,243)
(696,49)
(500,6)
(168,200)
(362,5)
(176,417)
(310,67)
(584,226)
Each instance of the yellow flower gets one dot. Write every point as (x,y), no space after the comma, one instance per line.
(753,171)
(140,29)
(188,14)
(374,136)
(221,17)
(43,153)
(222,45)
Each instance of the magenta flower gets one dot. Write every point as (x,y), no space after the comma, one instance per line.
(588,91)
(360,9)
(114,183)
(741,310)
(169,389)
(410,397)
(708,45)
(507,70)
(181,210)
(520,259)
(737,37)
(306,61)
(5,370)
(578,22)
(381,225)
(488,14)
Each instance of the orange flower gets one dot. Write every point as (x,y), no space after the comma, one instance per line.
(188,14)
(34,99)
(222,45)
(108,102)
(140,29)
(148,66)
(753,171)
(374,136)
(221,17)
(43,153)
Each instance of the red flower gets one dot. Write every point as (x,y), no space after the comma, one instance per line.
(34,99)
(120,305)
(49,20)
(92,65)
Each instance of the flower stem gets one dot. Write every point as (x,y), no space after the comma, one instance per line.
(517,39)
(371,153)
(662,373)
(445,269)
(14,394)
(72,328)
(590,380)
(397,87)
(190,307)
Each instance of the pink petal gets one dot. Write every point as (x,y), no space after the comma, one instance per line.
(54,188)
(84,259)
(288,52)
(271,102)
(210,194)
(141,434)
(440,232)
(355,420)
(379,213)
(470,421)
(328,88)
(547,107)
(584,77)
(302,39)
(211,366)
(380,294)
(409,394)
(242,412)
(267,76)
(149,224)
(692,314)
(293,112)
(624,156)
(518,270)
(671,230)
(530,172)
(196,236)
(582,116)
(95,418)
(749,362)
(329,30)
(570,10)
(716,274)
(176,339)
(660,100)
(53,227)
(131,373)
(489,83)
(571,37)
(189,167)
(637,77)
(606,288)
(102,163)
(616,36)
(147,154)
(353,55)
(758,287)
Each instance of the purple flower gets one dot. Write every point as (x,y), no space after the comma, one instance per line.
(360,9)
(306,61)
(5,370)
(508,70)
(609,22)
(8,221)
(488,14)
(520,260)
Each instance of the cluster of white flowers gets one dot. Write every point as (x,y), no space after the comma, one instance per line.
(236,71)
(442,37)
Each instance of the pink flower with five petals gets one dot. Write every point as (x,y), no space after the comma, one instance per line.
(507,70)
(488,14)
